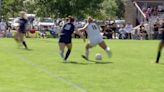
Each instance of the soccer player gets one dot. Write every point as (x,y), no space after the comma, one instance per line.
(94,36)
(21,29)
(65,39)
(161,44)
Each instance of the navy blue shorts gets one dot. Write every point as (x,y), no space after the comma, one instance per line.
(65,40)
(22,31)
(162,37)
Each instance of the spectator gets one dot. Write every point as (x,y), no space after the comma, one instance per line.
(55,31)
(3,28)
(122,32)
(156,30)
(143,34)
(128,28)
(114,28)
(108,32)
(155,11)
(136,33)
(9,34)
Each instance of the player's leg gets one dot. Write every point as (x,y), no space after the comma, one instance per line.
(159,51)
(69,46)
(105,47)
(22,35)
(87,47)
(17,37)
(61,47)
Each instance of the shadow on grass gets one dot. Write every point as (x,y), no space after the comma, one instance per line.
(75,62)
(159,63)
(21,48)
(100,62)
(87,62)
(27,49)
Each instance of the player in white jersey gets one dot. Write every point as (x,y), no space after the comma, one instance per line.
(94,37)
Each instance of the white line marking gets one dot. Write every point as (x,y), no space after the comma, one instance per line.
(55,76)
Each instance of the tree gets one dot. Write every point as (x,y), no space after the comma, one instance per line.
(64,8)
(113,8)
(120,8)
(109,8)
(12,7)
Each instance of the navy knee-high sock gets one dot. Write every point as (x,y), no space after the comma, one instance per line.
(158,56)
(67,54)
(24,43)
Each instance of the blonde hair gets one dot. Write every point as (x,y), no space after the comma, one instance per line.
(23,14)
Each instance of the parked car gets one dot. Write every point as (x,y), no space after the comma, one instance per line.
(119,23)
(10,20)
(15,23)
(45,24)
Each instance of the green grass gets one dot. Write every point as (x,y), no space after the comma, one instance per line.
(41,69)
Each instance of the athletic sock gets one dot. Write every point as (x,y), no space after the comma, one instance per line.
(158,56)
(87,53)
(24,43)
(107,50)
(67,54)
(62,54)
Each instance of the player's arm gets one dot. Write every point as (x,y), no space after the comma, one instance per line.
(83,29)
(80,34)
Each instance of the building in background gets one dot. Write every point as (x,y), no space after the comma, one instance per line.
(136,11)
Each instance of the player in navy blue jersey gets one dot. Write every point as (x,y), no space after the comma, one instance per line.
(161,45)
(65,39)
(21,29)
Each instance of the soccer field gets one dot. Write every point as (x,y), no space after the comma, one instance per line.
(42,70)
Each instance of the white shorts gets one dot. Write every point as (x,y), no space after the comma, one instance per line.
(96,41)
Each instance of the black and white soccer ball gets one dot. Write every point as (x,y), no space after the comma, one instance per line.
(98,56)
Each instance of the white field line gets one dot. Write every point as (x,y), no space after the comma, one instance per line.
(53,75)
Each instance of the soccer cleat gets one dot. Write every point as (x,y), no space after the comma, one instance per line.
(157,62)
(26,47)
(109,54)
(62,56)
(84,57)
(65,61)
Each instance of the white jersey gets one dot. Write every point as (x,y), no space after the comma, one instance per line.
(94,34)
(93,31)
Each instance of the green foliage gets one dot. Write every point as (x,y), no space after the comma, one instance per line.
(120,8)
(62,8)
(113,8)
(11,7)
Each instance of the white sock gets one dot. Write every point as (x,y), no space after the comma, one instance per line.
(108,51)
(62,54)
(87,53)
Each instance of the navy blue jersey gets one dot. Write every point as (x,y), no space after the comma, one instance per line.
(67,30)
(22,25)
(162,27)
(66,33)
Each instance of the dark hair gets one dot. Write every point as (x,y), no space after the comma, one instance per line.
(71,18)
(162,26)
(67,19)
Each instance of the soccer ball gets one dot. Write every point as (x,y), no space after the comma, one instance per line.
(98,56)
